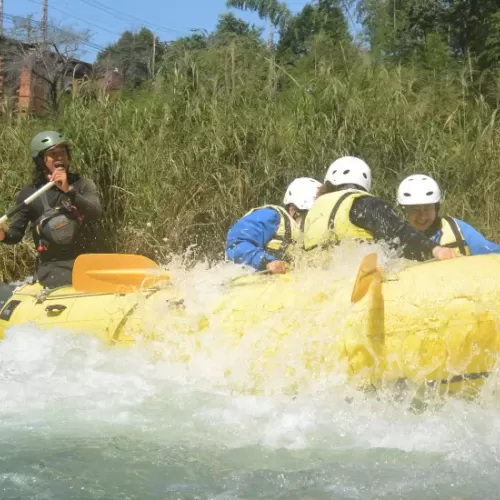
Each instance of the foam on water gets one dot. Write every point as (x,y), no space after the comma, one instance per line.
(80,419)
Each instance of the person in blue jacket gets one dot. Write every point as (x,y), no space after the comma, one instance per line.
(420,197)
(261,238)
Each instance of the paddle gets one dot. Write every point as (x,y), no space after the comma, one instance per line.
(115,273)
(370,276)
(366,273)
(26,202)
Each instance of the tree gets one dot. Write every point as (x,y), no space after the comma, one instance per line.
(491,55)
(51,58)
(397,29)
(400,29)
(471,24)
(277,12)
(132,54)
(326,17)
(234,41)
(197,41)
(229,27)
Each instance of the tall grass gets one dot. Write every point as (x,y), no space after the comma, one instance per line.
(224,131)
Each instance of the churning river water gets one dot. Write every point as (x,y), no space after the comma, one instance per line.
(82,420)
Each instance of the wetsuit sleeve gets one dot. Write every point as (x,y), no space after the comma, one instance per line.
(85,198)
(19,222)
(476,242)
(246,240)
(378,217)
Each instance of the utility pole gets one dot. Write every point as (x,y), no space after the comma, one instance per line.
(29,30)
(154,56)
(44,19)
(1,17)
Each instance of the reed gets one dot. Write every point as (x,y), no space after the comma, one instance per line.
(223,131)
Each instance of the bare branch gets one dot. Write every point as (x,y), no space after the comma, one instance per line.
(49,59)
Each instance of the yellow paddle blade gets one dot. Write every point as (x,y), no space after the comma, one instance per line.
(115,273)
(366,273)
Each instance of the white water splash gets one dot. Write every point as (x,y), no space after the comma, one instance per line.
(80,419)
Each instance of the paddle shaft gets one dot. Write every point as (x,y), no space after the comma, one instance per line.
(26,202)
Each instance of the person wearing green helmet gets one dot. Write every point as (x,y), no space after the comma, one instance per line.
(60,217)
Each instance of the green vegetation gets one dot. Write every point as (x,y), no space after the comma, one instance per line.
(227,122)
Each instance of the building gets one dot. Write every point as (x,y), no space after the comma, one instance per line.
(31,79)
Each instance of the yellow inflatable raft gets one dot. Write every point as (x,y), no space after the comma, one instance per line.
(433,325)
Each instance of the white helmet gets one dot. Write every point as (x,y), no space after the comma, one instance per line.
(349,170)
(302,192)
(418,190)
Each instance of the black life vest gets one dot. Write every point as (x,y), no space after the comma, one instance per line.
(57,225)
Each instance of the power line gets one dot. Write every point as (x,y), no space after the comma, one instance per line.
(78,18)
(129,18)
(37,24)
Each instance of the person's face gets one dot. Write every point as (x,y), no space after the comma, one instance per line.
(56,157)
(421,217)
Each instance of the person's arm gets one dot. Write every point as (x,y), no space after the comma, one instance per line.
(85,197)
(247,238)
(476,242)
(19,222)
(378,217)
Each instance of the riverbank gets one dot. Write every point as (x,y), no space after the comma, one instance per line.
(178,162)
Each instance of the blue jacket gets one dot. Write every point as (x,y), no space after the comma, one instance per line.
(476,242)
(247,238)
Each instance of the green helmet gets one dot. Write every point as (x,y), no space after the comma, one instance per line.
(44,141)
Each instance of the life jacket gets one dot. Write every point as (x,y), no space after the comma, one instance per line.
(286,234)
(57,225)
(452,237)
(328,220)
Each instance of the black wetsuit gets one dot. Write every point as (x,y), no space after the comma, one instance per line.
(55,263)
(378,218)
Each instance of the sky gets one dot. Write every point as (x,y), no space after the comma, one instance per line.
(107,19)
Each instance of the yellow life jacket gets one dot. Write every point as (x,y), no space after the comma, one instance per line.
(329,220)
(286,234)
(452,237)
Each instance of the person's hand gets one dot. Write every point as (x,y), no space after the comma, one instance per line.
(444,253)
(60,177)
(277,267)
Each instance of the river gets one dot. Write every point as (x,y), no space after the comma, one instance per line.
(81,420)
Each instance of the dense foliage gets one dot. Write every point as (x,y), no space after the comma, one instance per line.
(227,120)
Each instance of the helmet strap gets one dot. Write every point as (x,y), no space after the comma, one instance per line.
(300,214)
(287,208)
